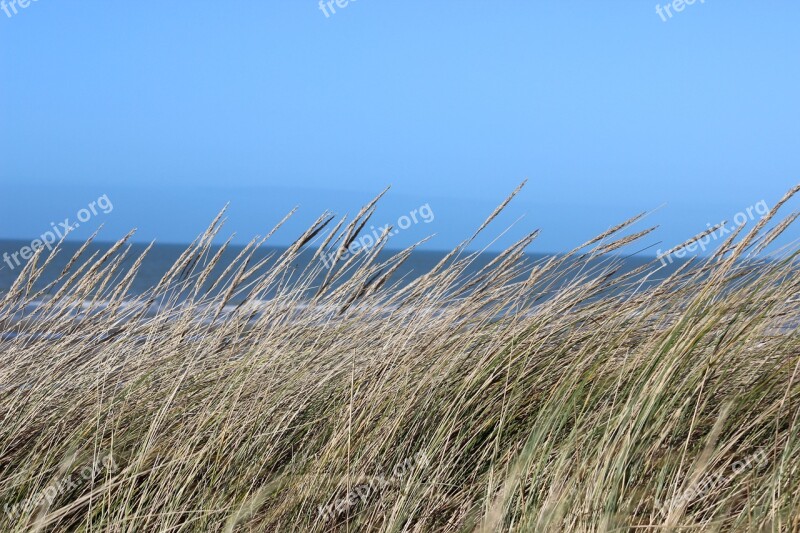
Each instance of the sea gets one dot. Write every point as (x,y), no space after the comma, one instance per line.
(162,256)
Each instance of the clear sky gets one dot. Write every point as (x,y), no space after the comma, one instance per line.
(174,108)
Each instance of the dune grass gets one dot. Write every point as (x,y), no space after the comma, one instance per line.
(554,395)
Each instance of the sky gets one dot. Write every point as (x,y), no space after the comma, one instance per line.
(173,109)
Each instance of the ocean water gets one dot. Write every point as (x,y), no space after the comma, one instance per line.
(162,256)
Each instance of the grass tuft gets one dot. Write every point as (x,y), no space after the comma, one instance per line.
(565,394)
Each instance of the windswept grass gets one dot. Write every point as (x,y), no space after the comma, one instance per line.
(557,395)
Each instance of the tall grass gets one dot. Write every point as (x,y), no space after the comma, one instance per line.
(554,395)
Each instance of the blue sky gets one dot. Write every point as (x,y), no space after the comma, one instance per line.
(174,108)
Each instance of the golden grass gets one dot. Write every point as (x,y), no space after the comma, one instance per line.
(544,396)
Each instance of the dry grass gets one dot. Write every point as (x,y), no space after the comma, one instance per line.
(606,405)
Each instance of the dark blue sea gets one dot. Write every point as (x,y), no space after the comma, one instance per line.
(162,256)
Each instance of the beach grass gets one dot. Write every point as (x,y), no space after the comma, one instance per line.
(555,395)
